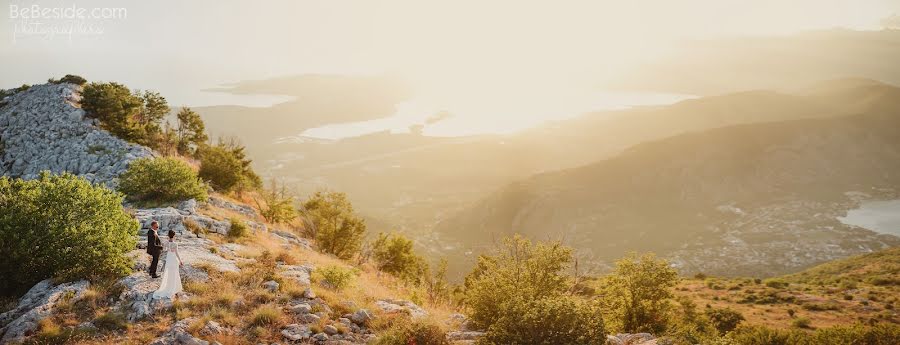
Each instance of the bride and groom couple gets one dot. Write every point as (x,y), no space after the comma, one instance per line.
(171,279)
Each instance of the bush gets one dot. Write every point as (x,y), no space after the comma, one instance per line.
(724,320)
(73,79)
(535,307)
(415,332)
(776,283)
(336,228)
(335,277)
(238,229)
(547,321)
(277,206)
(394,254)
(81,229)
(226,168)
(760,335)
(638,294)
(801,322)
(161,180)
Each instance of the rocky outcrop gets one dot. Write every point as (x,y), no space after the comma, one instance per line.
(179,335)
(401,306)
(42,128)
(37,304)
(228,205)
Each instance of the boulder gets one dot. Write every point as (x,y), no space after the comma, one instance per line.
(295,332)
(361,317)
(271,285)
(395,306)
(330,330)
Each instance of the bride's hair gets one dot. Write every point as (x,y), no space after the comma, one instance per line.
(171,234)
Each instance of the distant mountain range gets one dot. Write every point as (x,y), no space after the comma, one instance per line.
(751,199)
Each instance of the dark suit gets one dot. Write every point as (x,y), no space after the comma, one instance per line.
(154,248)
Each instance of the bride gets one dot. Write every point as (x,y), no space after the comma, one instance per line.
(171,279)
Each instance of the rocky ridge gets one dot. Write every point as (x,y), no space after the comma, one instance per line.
(42,128)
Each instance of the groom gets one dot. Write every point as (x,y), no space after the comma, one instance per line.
(154,247)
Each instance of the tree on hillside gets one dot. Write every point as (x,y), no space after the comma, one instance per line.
(136,117)
(638,294)
(276,206)
(149,118)
(115,106)
(519,295)
(61,226)
(436,285)
(335,226)
(227,168)
(394,254)
(191,132)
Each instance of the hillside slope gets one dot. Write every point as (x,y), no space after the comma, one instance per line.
(758,199)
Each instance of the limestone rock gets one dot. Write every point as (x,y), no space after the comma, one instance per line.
(35,305)
(361,317)
(295,332)
(394,306)
(42,129)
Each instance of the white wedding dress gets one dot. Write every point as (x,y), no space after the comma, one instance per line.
(171,278)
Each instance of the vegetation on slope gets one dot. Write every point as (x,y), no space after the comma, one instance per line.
(61,226)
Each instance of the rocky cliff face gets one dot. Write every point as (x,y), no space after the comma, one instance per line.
(43,128)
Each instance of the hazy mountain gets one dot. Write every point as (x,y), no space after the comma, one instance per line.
(416,181)
(771,62)
(740,200)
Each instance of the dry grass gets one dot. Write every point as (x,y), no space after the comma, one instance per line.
(804,300)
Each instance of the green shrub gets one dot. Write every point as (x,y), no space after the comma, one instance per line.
(776,283)
(237,229)
(801,322)
(638,294)
(61,226)
(519,295)
(394,254)
(335,277)
(73,79)
(724,320)
(878,334)
(821,306)
(760,335)
(135,117)
(277,206)
(547,321)
(226,168)
(335,226)
(415,332)
(161,180)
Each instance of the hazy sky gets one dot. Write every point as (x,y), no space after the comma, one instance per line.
(438,45)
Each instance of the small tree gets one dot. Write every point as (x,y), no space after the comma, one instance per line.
(520,296)
(724,320)
(227,168)
(436,284)
(191,132)
(336,228)
(394,254)
(277,206)
(161,180)
(149,118)
(638,294)
(61,226)
(115,107)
